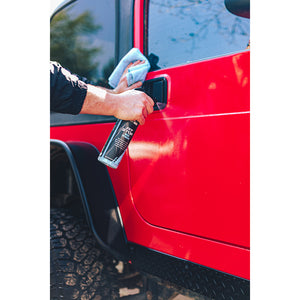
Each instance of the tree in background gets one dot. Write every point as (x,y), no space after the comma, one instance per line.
(70,39)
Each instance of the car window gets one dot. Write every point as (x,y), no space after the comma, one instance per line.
(182,31)
(82,39)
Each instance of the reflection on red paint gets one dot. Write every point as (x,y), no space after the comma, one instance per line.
(148,150)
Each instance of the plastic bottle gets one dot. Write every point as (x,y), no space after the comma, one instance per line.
(117,142)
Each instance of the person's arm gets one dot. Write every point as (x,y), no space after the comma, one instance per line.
(129,105)
(67,91)
(71,95)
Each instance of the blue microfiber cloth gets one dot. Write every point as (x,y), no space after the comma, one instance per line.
(135,73)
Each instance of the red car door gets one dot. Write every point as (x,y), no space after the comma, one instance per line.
(190,164)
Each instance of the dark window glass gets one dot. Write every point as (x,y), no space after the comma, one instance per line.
(82,39)
(182,31)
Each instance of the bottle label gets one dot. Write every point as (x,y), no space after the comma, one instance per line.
(118,140)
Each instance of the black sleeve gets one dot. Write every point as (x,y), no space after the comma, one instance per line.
(67,91)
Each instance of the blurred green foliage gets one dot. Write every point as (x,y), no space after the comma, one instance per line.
(71,43)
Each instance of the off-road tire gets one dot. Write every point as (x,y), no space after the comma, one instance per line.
(79,268)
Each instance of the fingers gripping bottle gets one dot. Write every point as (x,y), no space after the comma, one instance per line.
(117,142)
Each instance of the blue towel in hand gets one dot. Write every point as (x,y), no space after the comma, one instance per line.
(135,73)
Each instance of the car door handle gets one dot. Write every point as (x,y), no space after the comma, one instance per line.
(157,89)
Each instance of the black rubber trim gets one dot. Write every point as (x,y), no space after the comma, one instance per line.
(57,119)
(145,28)
(200,279)
(126,27)
(117,32)
(61,8)
(132,22)
(100,204)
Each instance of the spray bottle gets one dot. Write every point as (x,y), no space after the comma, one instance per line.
(121,135)
(117,142)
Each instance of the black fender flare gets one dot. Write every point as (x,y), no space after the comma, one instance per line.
(97,194)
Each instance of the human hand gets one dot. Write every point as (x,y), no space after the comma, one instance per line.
(123,84)
(133,105)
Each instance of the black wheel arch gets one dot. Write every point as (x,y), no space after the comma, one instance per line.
(95,190)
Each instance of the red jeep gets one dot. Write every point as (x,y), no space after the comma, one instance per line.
(178,204)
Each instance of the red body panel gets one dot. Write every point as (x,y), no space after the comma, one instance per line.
(190,165)
(183,185)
